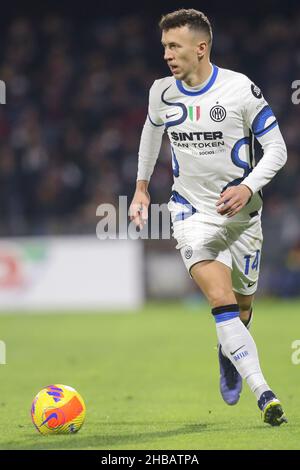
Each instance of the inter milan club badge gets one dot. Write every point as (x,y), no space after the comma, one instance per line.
(217,113)
(188,252)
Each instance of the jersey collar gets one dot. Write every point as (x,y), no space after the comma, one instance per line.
(202,90)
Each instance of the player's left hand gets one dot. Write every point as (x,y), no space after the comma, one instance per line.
(233,199)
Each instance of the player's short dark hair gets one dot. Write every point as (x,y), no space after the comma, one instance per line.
(194,19)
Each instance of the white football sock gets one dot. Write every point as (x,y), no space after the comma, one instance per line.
(247,324)
(239,346)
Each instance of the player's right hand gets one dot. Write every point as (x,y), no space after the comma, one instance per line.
(138,210)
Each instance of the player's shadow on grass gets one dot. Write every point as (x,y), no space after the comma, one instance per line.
(101,440)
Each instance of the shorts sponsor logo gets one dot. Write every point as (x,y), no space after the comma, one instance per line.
(250,284)
(188,252)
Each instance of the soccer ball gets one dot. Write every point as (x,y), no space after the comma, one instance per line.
(58,409)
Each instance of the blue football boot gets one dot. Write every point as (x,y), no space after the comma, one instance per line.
(230,380)
(270,406)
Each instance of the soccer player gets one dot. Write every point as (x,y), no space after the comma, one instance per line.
(211,116)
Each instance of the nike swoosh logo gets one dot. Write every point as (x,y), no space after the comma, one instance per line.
(251,284)
(232,353)
(171,115)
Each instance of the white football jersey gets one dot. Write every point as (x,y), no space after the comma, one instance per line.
(211,130)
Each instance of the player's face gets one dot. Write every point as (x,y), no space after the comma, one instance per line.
(181,51)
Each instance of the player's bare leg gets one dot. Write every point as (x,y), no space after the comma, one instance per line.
(214,280)
(245,307)
(220,294)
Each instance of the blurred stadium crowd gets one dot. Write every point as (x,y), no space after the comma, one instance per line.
(76,103)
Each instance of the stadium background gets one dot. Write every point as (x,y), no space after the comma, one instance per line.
(77,79)
(77,90)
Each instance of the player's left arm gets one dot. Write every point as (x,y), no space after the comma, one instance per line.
(259,117)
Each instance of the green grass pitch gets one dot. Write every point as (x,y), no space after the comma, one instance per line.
(149,379)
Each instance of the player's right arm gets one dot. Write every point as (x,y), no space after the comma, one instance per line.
(150,144)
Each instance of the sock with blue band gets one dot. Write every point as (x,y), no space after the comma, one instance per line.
(247,324)
(239,346)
